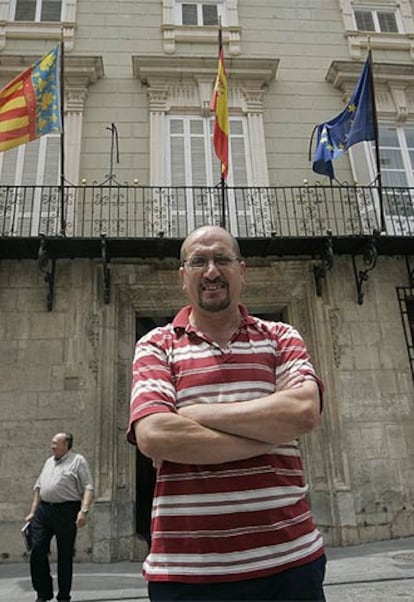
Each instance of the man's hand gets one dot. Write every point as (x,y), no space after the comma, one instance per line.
(81,519)
(29,517)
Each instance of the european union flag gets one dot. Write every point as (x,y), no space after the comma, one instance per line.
(354,124)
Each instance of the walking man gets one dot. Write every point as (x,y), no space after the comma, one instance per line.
(219,398)
(63,494)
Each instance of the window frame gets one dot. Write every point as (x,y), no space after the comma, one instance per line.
(38,12)
(406,293)
(174,31)
(359,40)
(38,30)
(178,14)
(374,10)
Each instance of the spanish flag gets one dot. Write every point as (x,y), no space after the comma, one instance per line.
(30,103)
(219,104)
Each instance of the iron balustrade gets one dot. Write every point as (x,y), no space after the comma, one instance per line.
(130,211)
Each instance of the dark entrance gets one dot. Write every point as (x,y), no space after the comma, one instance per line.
(145,473)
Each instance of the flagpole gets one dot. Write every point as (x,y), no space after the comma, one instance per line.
(222,183)
(377,150)
(62,139)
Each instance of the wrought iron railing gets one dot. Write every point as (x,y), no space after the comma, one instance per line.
(128,211)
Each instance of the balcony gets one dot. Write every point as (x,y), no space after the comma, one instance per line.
(137,221)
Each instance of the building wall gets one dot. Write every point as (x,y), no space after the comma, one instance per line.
(70,369)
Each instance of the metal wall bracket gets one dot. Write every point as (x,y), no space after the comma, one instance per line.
(47,266)
(106,270)
(326,263)
(410,270)
(369,257)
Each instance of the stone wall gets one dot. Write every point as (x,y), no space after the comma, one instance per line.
(69,369)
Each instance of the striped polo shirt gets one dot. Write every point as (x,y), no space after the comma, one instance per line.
(236,520)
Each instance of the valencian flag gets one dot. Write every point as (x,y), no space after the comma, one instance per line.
(355,124)
(219,104)
(30,104)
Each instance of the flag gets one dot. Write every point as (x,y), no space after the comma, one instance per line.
(219,104)
(30,103)
(354,124)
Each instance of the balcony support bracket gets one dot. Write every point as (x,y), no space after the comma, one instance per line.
(47,266)
(369,258)
(326,262)
(106,270)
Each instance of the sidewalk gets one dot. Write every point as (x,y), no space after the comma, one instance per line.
(378,572)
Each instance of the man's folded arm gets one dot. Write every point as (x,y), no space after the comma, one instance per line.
(275,419)
(169,436)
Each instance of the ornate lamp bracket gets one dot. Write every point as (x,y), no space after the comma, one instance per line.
(369,257)
(410,270)
(325,264)
(47,266)
(106,270)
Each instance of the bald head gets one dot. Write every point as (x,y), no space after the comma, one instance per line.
(210,232)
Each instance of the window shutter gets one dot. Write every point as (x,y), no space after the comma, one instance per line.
(238,167)
(25,10)
(8,167)
(51,10)
(198,158)
(51,170)
(177,158)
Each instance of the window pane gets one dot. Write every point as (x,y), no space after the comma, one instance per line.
(210,14)
(189,14)
(394,178)
(387,22)
(25,10)
(391,159)
(364,20)
(177,161)
(51,10)
(409,135)
(388,137)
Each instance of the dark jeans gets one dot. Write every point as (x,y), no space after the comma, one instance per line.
(50,520)
(301,583)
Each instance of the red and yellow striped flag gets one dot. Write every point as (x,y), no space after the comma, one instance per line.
(219,104)
(30,103)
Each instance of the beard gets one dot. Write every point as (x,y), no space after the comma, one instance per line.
(212,304)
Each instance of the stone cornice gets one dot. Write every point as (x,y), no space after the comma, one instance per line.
(157,68)
(344,75)
(87,69)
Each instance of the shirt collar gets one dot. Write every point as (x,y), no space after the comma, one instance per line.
(181,322)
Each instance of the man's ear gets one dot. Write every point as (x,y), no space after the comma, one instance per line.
(181,273)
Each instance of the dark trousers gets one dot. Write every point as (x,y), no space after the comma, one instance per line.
(50,520)
(301,583)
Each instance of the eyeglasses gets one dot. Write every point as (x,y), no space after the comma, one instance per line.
(200,262)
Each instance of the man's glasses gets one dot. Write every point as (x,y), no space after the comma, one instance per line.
(201,262)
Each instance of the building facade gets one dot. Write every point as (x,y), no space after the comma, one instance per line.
(83,275)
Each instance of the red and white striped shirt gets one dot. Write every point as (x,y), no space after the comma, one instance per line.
(237,520)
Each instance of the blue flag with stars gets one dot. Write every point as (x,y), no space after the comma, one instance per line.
(355,124)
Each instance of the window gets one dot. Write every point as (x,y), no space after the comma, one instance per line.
(195,21)
(197,13)
(192,162)
(38,20)
(37,10)
(388,23)
(376,20)
(31,209)
(406,300)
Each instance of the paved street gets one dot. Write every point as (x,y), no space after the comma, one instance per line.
(380,572)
